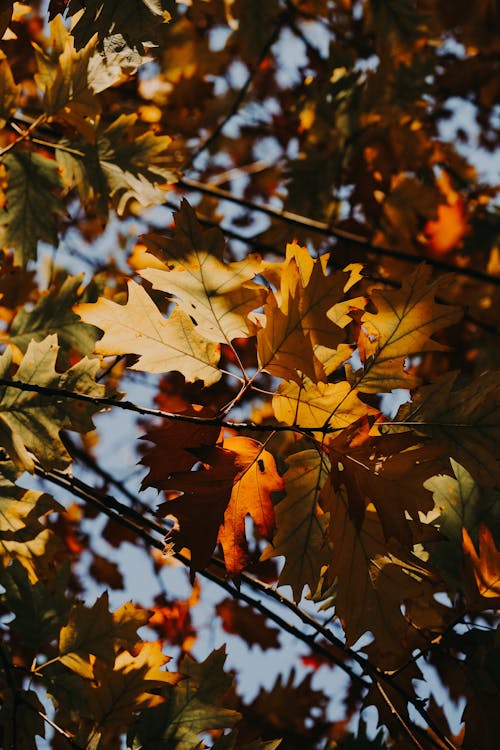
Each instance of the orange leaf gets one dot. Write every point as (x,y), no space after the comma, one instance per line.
(486,566)
(251,495)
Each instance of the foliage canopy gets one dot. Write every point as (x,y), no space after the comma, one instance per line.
(257,244)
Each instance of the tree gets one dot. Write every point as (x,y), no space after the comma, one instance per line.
(316,327)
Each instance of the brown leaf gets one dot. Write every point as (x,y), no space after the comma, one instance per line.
(248,624)
(485,566)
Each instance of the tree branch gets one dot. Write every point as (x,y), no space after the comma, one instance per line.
(338,233)
(132,520)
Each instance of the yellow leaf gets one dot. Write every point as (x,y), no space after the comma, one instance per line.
(319,405)
(298,316)
(402,327)
(163,344)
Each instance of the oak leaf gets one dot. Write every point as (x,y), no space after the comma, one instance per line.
(247,624)
(459,503)
(52,313)
(100,632)
(32,204)
(131,685)
(22,536)
(389,472)
(218,295)
(163,344)
(194,705)
(402,327)
(251,495)
(301,523)
(296,318)
(374,578)
(319,405)
(30,422)
(466,419)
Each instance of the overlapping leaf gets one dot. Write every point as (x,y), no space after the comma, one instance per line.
(121,163)
(301,523)
(32,203)
(53,314)
(30,422)
(401,328)
(297,320)
(374,580)
(22,536)
(163,344)
(219,296)
(466,419)
(194,706)
(317,405)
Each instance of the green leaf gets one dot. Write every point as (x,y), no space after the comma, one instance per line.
(461,503)
(31,422)
(31,204)
(301,524)
(53,314)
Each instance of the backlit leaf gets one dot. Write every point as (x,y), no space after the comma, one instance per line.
(163,344)
(402,327)
(30,422)
(32,204)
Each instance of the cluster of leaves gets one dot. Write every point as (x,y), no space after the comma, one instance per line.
(326,418)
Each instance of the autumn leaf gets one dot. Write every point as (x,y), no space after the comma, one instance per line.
(175,446)
(131,685)
(194,705)
(63,78)
(119,162)
(32,204)
(39,605)
(465,419)
(319,405)
(218,295)
(389,472)
(301,524)
(460,503)
(447,230)
(136,20)
(248,624)
(401,328)
(485,566)
(97,631)
(30,422)
(251,495)
(51,314)
(9,92)
(374,579)
(198,499)
(22,536)
(163,344)
(296,318)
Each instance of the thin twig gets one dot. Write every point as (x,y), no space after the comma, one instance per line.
(134,521)
(328,231)
(238,101)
